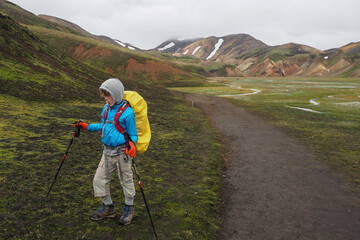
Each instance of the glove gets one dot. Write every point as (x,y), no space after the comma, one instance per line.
(132,151)
(82,125)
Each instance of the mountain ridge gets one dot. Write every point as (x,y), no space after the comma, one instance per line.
(83,32)
(229,55)
(251,57)
(110,56)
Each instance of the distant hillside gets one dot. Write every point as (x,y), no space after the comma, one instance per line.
(122,62)
(231,55)
(80,31)
(28,18)
(76,28)
(243,55)
(113,56)
(50,22)
(213,47)
(31,69)
(174,45)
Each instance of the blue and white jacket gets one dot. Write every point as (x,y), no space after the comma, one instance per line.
(111,137)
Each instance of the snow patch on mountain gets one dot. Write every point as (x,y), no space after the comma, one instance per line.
(120,43)
(167,46)
(217,46)
(124,45)
(196,49)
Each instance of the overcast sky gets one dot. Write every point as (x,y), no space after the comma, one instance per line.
(322,24)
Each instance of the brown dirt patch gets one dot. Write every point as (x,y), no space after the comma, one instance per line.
(234,72)
(151,68)
(340,65)
(110,70)
(355,73)
(80,53)
(267,68)
(350,46)
(291,69)
(317,69)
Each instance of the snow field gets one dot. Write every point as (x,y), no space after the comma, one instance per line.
(196,49)
(217,46)
(167,46)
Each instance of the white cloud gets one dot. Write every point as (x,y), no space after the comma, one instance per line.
(147,23)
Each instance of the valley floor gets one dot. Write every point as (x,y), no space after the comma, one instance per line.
(274,187)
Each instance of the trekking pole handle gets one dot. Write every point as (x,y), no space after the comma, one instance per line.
(77,129)
(127,140)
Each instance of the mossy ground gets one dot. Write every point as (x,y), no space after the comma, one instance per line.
(180,172)
(42,93)
(333,133)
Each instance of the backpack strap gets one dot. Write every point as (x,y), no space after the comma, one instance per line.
(122,108)
(116,122)
(106,112)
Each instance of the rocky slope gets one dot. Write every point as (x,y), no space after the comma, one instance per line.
(251,57)
(79,30)
(231,55)
(50,22)
(112,56)
(31,70)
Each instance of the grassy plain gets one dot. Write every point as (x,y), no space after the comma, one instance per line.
(324,113)
(181,179)
(42,93)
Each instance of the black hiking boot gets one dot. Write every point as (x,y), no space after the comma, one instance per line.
(105,211)
(128,215)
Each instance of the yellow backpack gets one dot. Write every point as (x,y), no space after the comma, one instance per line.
(139,105)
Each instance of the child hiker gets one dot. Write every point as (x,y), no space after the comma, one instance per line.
(116,156)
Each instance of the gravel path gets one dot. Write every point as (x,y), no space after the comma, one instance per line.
(274,187)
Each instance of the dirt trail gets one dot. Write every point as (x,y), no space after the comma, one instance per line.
(274,187)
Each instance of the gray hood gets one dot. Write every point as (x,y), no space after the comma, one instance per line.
(115,87)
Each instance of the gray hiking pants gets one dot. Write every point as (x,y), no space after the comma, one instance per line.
(114,159)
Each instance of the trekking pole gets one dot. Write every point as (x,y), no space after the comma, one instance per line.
(76,134)
(142,191)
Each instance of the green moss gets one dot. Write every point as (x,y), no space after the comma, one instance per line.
(42,93)
(354,68)
(331,134)
(182,187)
